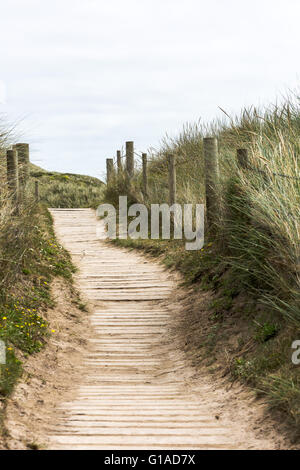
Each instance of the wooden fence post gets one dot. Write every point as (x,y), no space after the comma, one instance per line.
(242,158)
(119,162)
(130,159)
(211,165)
(36,191)
(23,163)
(109,170)
(172,180)
(145,176)
(12,173)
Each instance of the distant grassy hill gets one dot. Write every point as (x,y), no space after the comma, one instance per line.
(66,189)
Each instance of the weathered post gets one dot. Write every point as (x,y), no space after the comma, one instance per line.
(109,170)
(130,159)
(119,162)
(172,180)
(211,166)
(12,173)
(242,158)
(37,191)
(145,176)
(23,163)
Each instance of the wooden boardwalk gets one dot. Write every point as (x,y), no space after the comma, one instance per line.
(132,394)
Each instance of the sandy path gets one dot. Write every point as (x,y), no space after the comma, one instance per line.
(134,392)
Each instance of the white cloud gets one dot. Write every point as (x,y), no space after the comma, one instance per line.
(89,75)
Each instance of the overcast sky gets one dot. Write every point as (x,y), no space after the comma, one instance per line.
(85,76)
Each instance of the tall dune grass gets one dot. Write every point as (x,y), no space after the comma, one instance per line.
(258,225)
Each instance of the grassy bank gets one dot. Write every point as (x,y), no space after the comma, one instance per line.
(251,264)
(30,258)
